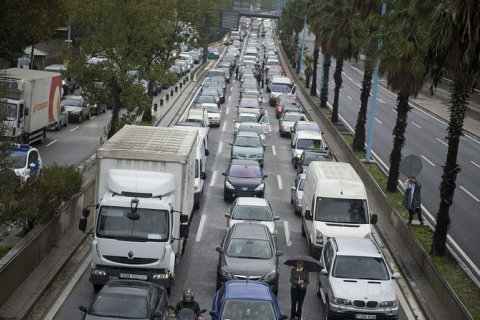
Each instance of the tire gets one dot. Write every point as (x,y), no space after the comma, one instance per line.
(304,234)
(295,164)
(319,285)
(97,287)
(66,123)
(291,199)
(57,128)
(80,118)
(328,315)
(169,289)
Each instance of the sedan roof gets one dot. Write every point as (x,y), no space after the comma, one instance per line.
(248,201)
(247,290)
(246,230)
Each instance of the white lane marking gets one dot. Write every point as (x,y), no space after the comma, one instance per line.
(442,142)
(220,145)
(400,181)
(75,128)
(233,81)
(287,233)
(431,163)
(93,117)
(224,124)
(357,84)
(212,181)
(478,165)
(349,97)
(48,145)
(53,311)
(200,228)
(279,180)
(226,110)
(403,302)
(394,110)
(378,120)
(470,194)
(274,151)
(231,89)
(380,100)
(416,125)
(229,98)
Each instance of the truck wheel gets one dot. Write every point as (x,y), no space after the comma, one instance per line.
(197,204)
(97,287)
(319,285)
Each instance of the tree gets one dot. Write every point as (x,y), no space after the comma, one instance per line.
(366,9)
(456,49)
(405,40)
(293,16)
(308,61)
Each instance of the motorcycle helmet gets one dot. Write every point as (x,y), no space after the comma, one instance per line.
(188,293)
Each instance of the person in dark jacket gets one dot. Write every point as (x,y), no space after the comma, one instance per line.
(236,73)
(187,302)
(299,281)
(412,199)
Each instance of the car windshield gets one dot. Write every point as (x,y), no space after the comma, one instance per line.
(293,117)
(249,104)
(70,102)
(308,127)
(259,309)
(206,99)
(210,93)
(309,144)
(248,142)
(281,88)
(341,210)
(113,222)
(199,121)
(120,306)
(284,103)
(17,160)
(250,128)
(315,157)
(239,171)
(249,249)
(10,111)
(241,119)
(302,183)
(213,109)
(367,268)
(256,213)
(274,71)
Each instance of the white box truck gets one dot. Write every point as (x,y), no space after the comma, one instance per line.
(145,186)
(31,103)
(334,204)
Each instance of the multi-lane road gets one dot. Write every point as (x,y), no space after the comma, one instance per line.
(425,137)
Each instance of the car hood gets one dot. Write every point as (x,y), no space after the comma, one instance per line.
(252,267)
(249,183)
(287,124)
(247,150)
(366,290)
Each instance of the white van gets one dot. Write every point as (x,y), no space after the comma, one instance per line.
(306,140)
(280,85)
(334,204)
(200,161)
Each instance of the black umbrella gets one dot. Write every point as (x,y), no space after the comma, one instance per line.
(309,263)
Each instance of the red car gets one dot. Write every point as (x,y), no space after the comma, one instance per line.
(284,102)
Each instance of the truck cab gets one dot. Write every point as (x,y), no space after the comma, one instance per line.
(280,85)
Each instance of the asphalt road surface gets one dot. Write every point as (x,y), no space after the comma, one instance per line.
(197,267)
(425,137)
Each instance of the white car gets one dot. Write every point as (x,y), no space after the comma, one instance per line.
(214,115)
(26,162)
(244,117)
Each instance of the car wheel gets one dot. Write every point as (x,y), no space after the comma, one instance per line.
(328,315)
(295,164)
(291,199)
(303,231)
(80,118)
(97,287)
(57,128)
(225,198)
(319,285)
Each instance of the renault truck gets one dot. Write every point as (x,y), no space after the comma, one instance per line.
(30,103)
(145,193)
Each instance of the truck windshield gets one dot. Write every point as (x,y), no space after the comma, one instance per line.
(113,223)
(10,111)
(281,88)
(309,144)
(341,210)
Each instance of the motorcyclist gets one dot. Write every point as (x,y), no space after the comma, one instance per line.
(187,302)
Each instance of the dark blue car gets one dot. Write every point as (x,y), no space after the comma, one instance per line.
(241,299)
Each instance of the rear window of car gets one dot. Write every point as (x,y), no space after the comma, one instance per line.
(239,171)
(256,213)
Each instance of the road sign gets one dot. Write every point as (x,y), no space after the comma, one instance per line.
(411,165)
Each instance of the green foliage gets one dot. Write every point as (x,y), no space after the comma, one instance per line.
(4,250)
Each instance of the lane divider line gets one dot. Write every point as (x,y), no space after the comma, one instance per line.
(287,233)
(200,228)
(274,151)
(442,142)
(220,145)
(212,180)
(48,145)
(430,162)
(75,128)
(470,194)
(416,125)
(279,180)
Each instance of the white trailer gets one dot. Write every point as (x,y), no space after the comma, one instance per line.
(31,103)
(145,191)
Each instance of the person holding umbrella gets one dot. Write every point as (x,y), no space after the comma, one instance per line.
(299,281)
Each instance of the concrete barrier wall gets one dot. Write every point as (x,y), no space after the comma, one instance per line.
(27,254)
(436,280)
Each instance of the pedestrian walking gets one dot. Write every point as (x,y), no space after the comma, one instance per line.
(236,73)
(412,199)
(299,280)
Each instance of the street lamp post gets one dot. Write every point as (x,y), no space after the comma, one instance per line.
(303,47)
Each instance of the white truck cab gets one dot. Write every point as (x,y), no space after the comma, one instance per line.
(334,204)
(306,140)
(280,85)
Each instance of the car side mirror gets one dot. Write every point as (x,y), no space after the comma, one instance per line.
(219,249)
(308,215)
(203,176)
(237,106)
(82,308)
(265,176)
(396,275)
(279,253)
(230,143)
(326,148)
(374,219)
(293,188)
(227,215)
(224,174)
(214,313)
(184,218)
(207,153)
(82,224)
(324,272)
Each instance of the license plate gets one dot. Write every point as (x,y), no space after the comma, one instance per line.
(134,276)
(365,316)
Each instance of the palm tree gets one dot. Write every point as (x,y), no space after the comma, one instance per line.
(366,9)
(405,39)
(292,18)
(308,61)
(456,47)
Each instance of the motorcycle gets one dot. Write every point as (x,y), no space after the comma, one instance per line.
(186,313)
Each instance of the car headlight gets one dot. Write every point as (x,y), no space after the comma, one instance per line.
(341,301)
(285,127)
(298,155)
(260,187)
(225,273)
(319,237)
(270,276)
(385,304)
(260,155)
(229,185)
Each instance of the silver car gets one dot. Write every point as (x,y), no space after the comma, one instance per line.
(62,120)
(257,210)
(296,193)
(288,120)
(355,281)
